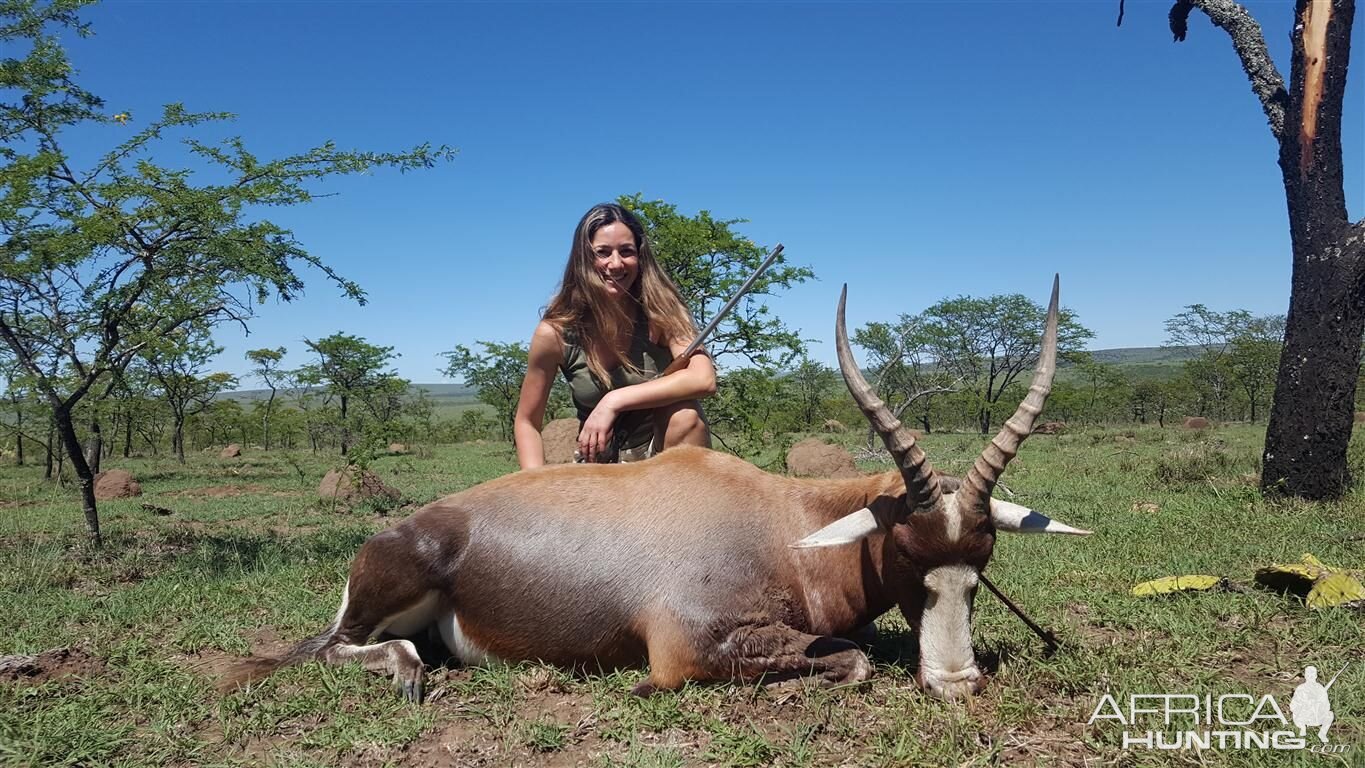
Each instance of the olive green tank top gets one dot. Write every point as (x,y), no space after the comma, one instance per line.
(648,357)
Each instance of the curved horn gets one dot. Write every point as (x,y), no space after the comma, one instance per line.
(1016,518)
(921,484)
(846,530)
(980,481)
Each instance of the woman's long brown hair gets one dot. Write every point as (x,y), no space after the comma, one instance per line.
(583,305)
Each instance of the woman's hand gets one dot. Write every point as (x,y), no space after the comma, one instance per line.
(597,434)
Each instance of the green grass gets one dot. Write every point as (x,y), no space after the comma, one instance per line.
(250,559)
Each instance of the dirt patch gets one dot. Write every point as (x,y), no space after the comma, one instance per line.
(214,664)
(1093,632)
(473,736)
(226,491)
(56,664)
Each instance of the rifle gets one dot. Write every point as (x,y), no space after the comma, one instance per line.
(1334,677)
(680,362)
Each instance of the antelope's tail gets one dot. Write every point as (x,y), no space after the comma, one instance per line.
(255,668)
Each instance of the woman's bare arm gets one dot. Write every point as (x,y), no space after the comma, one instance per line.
(546,354)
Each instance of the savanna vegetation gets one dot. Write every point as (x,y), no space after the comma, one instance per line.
(236,556)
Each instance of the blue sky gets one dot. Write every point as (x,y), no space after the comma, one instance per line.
(914,150)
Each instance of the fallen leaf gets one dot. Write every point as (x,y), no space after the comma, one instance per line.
(1320,585)
(1171,584)
(1336,589)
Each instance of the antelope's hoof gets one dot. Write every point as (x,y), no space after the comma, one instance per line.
(645,689)
(412,690)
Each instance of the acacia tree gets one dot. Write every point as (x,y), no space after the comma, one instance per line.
(497,375)
(1311,415)
(98,261)
(810,384)
(747,407)
(177,366)
(1255,356)
(1239,351)
(899,359)
(989,342)
(350,368)
(267,369)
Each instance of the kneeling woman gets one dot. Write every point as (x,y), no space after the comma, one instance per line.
(615,323)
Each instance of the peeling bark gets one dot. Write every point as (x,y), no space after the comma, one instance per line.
(1316,16)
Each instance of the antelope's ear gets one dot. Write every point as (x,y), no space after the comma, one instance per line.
(846,530)
(1015,518)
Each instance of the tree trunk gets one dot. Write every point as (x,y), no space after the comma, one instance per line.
(265,420)
(128,437)
(113,440)
(345,427)
(67,430)
(51,440)
(96,449)
(178,438)
(1311,415)
(18,433)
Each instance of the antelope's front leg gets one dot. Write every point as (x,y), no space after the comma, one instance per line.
(766,653)
(771,653)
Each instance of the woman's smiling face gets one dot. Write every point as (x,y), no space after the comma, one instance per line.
(616,258)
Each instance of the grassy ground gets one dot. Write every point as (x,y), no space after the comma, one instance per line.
(130,638)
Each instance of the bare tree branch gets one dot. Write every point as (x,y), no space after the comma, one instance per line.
(1249,43)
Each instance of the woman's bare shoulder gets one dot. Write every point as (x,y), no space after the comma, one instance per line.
(547,331)
(547,342)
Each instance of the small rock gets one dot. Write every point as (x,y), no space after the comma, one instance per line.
(1196,422)
(231,452)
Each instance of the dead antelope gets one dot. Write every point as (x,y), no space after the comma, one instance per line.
(686,561)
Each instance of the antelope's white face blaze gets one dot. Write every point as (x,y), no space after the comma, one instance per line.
(947,665)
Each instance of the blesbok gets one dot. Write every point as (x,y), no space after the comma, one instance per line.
(687,561)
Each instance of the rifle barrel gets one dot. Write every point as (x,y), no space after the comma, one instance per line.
(729,305)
